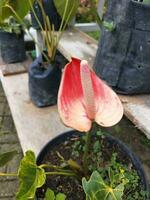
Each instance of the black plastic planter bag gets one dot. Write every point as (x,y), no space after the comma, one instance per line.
(123,56)
(44,82)
(12,47)
(50,11)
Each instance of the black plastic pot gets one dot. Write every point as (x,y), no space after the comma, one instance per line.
(124,150)
(122,58)
(44,82)
(50,11)
(12,47)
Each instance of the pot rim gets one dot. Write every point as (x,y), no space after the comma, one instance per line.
(133,158)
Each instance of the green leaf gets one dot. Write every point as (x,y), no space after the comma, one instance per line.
(74,165)
(60,196)
(31,177)
(22,7)
(6,157)
(49,195)
(96,146)
(96,189)
(2,3)
(146,1)
(70,6)
(14,8)
(109,25)
(5,12)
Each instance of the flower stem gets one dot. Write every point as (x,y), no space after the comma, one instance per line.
(57,168)
(6,174)
(60,173)
(86,151)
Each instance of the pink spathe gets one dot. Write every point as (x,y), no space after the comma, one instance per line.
(83,98)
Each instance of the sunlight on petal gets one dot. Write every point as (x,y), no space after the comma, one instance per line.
(73,115)
(108,105)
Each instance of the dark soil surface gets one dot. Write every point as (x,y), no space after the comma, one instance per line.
(71,186)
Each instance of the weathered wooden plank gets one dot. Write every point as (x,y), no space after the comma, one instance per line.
(35,126)
(137,109)
(75,43)
(14,68)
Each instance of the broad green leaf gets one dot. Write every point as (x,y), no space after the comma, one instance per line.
(60,196)
(5,12)
(6,157)
(66,8)
(49,194)
(2,3)
(117,192)
(22,7)
(31,177)
(96,189)
(14,8)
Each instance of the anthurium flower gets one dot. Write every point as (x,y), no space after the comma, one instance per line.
(83,98)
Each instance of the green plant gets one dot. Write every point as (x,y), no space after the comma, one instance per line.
(12,15)
(31,176)
(96,188)
(66,9)
(112,172)
(88,12)
(114,179)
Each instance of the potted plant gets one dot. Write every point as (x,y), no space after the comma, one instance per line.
(45,71)
(12,46)
(122,58)
(113,168)
(83,164)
